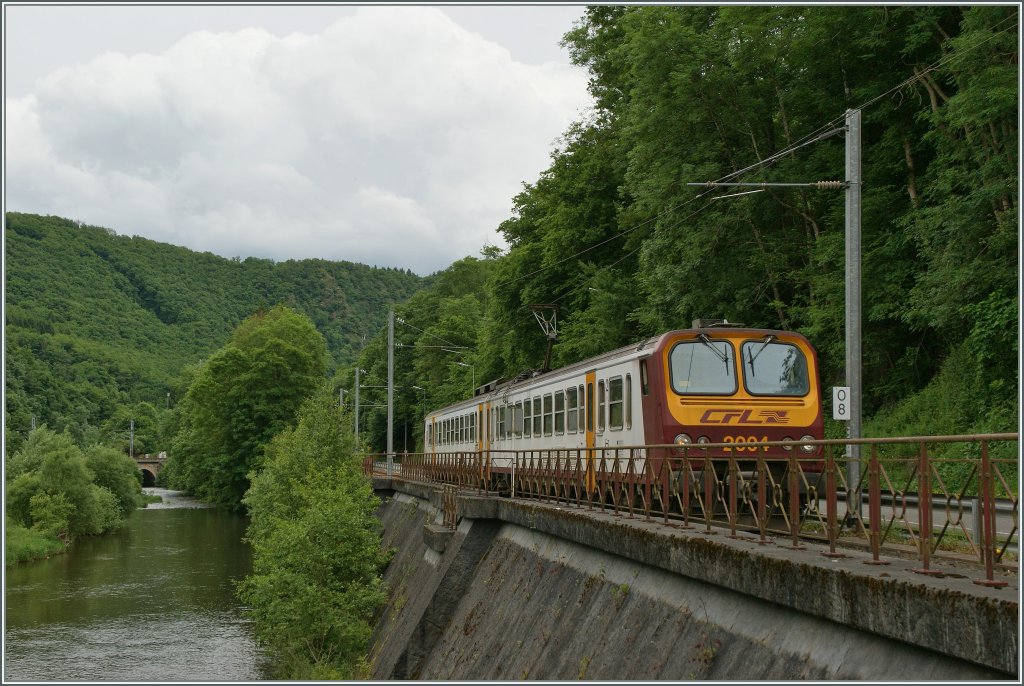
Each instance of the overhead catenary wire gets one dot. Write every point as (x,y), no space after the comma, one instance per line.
(448,343)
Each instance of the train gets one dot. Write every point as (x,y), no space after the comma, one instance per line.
(721,385)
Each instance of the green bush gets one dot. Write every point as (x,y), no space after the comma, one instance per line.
(51,515)
(119,474)
(316,583)
(56,492)
(23,545)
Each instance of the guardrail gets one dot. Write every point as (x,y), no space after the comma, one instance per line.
(911,494)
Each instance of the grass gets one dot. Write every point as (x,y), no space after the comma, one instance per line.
(23,545)
(147,499)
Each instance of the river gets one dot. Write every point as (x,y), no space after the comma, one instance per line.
(152,602)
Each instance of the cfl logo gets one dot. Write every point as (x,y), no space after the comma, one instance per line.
(744,417)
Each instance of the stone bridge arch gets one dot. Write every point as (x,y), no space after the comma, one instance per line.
(150,466)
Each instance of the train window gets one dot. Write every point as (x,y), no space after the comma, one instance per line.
(549,416)
(572,401)
(600,406)
(527,418)
(644,387)
(629,402)
(560,413)
(615,410)
(774,368)
(590,407)
(702,367)
(517,427)
(472,426)
(536,416)
(501,423)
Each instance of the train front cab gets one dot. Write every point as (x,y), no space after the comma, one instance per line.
(734,387)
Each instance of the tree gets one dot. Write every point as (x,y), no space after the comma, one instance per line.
(119,474)
(316,581)
(51,487)
(247,392)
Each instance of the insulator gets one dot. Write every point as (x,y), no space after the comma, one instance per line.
(830,185)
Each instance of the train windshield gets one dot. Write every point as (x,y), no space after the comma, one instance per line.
(771,368)
(703,367)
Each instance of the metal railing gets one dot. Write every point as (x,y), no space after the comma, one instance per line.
(925,496)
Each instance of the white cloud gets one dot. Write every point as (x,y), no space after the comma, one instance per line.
(392,137)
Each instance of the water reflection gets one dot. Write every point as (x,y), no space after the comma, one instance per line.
(153,601)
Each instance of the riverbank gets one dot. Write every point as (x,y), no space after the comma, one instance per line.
(26,545)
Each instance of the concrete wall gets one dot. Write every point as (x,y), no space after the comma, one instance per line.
(523,591)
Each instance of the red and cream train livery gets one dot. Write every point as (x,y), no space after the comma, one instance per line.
(715,383)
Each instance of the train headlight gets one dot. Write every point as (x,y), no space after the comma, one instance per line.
(807,448)
(703,440)
(788,448)
(683,439)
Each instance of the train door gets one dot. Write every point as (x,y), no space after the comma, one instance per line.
(591,477)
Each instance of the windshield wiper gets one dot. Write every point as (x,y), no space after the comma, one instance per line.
(751,357)
(723,356)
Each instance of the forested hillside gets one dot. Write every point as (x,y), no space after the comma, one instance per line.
(100,327)
(613,235)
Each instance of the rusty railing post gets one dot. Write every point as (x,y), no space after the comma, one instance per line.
(875,509)
(924,512)
(709,503)
(988,521)
(733,486)
(684,474)
(794,503)
(831,504)
(762,500)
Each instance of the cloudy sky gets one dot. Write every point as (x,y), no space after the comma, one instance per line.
(386,135)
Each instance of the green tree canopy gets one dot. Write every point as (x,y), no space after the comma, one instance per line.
(247,392)
(316,581)
(55,488)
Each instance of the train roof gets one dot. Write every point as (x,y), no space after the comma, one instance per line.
(495,389)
